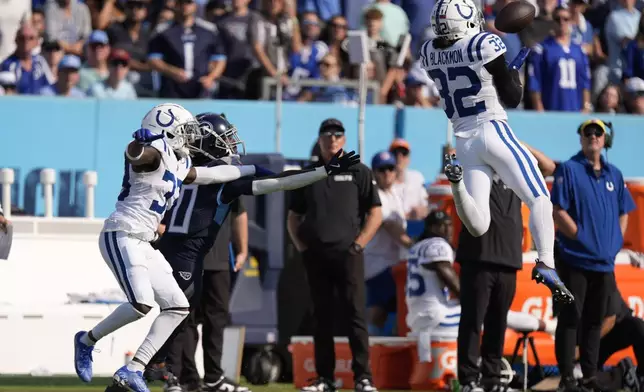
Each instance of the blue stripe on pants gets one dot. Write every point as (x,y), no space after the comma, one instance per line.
(533,170)
(126,281)
(535,193)
(110,256)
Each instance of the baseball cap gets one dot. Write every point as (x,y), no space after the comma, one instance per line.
(635,85)
(413,82)
(331,124)
(8,79)
(70,61)
(119,55)
(399,143)
(437,217)
(98,37)
(382,159)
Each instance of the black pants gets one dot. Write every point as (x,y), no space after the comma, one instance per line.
(581,321)
(487,291)
(341,273)
(626,333)
(214,309)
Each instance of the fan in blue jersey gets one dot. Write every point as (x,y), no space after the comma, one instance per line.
(474,82)
(559,71)
(194,222)
(633,53)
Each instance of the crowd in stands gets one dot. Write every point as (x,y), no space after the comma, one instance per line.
(587,55)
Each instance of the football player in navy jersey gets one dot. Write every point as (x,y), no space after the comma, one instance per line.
(195,219)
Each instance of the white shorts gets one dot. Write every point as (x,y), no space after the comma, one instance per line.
(434,317)
(495,149)
(142,272)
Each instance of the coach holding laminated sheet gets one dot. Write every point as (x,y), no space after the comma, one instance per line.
(330,222)
(591,204)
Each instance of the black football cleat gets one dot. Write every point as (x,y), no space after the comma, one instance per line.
(453,169)
(547,276)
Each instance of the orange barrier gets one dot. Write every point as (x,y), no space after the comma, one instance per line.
(439,373)
(536,300)
(392,361)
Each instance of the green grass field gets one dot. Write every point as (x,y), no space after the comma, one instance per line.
(71,384)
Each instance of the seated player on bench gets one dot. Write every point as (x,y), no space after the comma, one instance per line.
(433,288)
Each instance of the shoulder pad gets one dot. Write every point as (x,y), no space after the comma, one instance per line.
(204,24)
(435,250)
(161,146)
(485,47)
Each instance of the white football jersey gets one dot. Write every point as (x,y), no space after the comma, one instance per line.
(145,197)
(425,289)
(466,89)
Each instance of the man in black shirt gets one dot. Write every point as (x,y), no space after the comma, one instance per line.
(331,222)
(188,53)
(489,265)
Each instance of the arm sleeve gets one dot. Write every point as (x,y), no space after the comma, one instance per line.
(560,194)
(155,47)
(629,60)
(534,69)
(584,71)
(367,190)
(507,81)
(223,173)
(217,50)
(488,47)
(435,251)
(626,203)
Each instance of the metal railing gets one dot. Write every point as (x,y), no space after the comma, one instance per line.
(270,82)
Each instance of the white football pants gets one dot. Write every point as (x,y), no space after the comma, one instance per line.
(142,272)
(495,149)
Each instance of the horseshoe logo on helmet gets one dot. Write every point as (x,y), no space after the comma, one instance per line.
(164,125)
(461,13)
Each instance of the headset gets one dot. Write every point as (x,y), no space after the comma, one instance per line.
(609,137)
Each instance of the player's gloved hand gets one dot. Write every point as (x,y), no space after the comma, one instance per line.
(341,163)
(145,136)
(262,172)
(520,59)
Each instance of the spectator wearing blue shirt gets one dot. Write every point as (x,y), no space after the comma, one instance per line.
(31,71)
(116,86)
(330,73)
(188,53)
(95,69)
(304,63)
(559,72)
(621,27)
(582,31)
(633,64)
(67,79)
(591,206)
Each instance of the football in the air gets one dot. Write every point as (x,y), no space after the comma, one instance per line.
(515,17)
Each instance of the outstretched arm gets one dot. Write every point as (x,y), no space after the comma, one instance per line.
(217,174)
(288,180)
(507,81)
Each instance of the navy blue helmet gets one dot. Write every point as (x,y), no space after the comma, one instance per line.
(218,139)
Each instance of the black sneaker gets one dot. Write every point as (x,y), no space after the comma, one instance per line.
(568,384)
(172,384)
(629,375)
(365,385)
(156,372)
(320,385)
(224,385)
(471,386)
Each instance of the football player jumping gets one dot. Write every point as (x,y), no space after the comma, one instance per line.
(469,69)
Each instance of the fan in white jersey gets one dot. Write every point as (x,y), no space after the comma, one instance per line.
(433,288)
(157,163)
(474,82)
